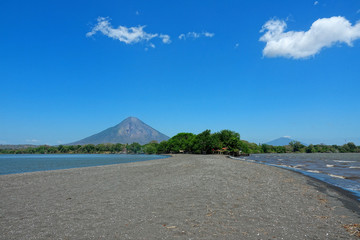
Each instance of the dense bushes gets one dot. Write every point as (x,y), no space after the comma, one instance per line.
(89,148)
(204,143)
(319,148)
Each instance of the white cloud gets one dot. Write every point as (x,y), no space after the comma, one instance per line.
(195,35)
(189,35)
(165,38)
(207,34)
(237,45)
(324,32)
(32,140)
(123,34)
(316,3)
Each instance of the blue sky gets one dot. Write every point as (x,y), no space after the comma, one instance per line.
(266,69)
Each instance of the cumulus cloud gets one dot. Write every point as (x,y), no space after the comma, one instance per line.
(316,2)
(207,34)
(195,35)
(165,38)
(129,35)
(324,32)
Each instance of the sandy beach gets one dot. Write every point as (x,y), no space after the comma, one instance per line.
(182,197)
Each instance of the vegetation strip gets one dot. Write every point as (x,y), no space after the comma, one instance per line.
(223,142)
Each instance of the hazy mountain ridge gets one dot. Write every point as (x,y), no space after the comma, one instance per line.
(16,146)
(283,141)
(128,131)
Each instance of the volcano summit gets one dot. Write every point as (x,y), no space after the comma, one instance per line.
(128,131)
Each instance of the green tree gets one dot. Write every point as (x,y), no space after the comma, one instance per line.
(253,147)
(89,148)
(310,149)
(297,146)
(133,148)
(163,147)
(279,149)
(244,147)
(266,148)
(181,141)
(151,148)
(62,149)
(351,146)
(229,139)
(203,142)
(101,148)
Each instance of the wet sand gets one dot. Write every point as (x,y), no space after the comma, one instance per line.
(183,197)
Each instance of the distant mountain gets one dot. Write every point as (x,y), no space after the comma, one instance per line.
(128,131)
(283,141)
(17,146)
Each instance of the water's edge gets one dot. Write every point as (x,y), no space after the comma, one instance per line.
(316,177)
(93,163)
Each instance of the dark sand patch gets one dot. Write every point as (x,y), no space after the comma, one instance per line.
(183,197)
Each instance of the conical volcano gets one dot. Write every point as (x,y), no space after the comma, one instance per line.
(128,131)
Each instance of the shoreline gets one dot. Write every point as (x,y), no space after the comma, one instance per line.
(183,196)
(351,194)
(353,205)
(25,167)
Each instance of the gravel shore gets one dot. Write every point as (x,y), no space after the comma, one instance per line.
(182,197)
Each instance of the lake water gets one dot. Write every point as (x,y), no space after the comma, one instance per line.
(339,169)
(10,164)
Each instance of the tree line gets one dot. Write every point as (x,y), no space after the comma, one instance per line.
(222,142)
(298,147)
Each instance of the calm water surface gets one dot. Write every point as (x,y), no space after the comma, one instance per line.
(10,164)
(339,169)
